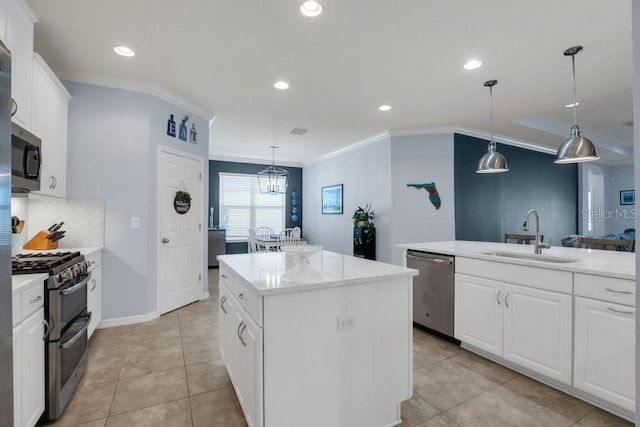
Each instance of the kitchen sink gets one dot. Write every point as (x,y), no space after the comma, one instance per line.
(532,257)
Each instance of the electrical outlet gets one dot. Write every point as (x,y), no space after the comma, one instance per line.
(135,222)
(346,322)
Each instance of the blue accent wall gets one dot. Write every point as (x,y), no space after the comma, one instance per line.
(216,166)
(490,205)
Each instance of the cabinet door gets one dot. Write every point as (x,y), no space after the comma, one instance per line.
(20,42)
(17,375)
(478,312)
(94,299)
(252,372)
(32,368)
(537,331)
(605,351)
(229,324)
(58,167)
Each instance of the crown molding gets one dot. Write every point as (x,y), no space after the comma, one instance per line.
(371,140)
(137,86)
(253,161)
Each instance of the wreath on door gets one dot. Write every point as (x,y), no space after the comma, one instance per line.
(182,202)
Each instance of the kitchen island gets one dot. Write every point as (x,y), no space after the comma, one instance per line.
(328,343)
(565,317)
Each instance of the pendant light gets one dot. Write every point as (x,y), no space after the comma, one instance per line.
(577,148)
(492,161)
(273,180)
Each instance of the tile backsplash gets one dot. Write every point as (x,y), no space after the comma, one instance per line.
(83,221)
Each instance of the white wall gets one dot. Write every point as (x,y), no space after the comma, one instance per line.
(415,160)
(365,174)
(113,140)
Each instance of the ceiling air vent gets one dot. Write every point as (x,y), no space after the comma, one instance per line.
(298,131)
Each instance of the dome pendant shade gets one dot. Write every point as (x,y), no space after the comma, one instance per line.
(273,180)
(492,161)
(576,149)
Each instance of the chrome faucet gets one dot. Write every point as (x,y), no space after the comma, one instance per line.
(525,227)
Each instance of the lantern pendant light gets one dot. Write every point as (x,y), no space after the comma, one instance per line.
(492,161)
(273,180)
(577,148)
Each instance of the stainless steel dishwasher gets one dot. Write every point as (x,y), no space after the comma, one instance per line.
(433,290)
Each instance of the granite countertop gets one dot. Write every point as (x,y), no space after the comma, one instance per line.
(20,281)
(271,273)
(589,261)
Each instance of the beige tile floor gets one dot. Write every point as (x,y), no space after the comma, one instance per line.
(168,372)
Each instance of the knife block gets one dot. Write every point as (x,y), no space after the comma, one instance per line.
(40,241)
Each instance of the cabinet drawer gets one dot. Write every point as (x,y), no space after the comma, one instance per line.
(32,299)
(250,300)
(605,288)
(227,278)
(17,309)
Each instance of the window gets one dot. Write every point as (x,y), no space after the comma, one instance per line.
(243,207)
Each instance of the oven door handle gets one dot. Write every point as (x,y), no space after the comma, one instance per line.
(77,287)
(77,336)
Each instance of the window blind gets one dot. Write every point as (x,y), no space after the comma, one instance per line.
(242,206)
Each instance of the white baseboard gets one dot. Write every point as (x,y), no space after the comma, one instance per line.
(129,320)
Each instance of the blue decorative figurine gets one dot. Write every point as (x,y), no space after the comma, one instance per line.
(171,127)
(183,129)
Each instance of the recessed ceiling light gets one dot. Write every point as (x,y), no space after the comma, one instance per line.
(572,104)
(281,85)
(311,8)
(384,107)
(473,64)
(124,51)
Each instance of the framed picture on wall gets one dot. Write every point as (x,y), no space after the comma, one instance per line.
(332,199)
(628,197)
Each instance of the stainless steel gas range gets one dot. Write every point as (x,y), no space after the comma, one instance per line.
(67,319)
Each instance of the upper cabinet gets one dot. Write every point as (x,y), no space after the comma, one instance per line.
(16,28)
(49,115)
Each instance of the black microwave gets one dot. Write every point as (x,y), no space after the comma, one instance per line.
(26,160)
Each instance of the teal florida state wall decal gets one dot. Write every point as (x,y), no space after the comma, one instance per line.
(431,189)
(171,127)
(183,129)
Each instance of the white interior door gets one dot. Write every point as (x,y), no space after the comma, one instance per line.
(181,241)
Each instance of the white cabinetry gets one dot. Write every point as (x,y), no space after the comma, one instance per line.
(526,326)
(94,290)
(242,352)
(28,356)
(19,39)
(604,360)
(50,105)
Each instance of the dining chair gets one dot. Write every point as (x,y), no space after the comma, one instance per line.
(521,239)
(252,242)
(289,237)
(606,244)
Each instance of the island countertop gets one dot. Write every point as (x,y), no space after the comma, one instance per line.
(588,261)
(270,273)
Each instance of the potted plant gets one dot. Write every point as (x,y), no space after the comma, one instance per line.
(362,216)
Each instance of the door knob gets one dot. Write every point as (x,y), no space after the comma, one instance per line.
(165,240)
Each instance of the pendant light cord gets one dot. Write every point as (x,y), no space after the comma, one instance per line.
(575,98)
(493,144)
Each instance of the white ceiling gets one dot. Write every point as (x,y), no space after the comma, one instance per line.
(225,55)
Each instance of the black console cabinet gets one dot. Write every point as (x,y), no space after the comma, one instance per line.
(364,242)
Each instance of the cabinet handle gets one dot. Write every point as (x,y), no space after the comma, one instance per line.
(239,332)
(14,107)
(242,296)
(244,328)
(95,283)
(55,182)
(498,297)
(47,329)
(506,300)
(618,292)
(620,311)
(36,299)
(222,300)
(224,276)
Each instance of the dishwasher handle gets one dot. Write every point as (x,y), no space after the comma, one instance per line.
(434,260)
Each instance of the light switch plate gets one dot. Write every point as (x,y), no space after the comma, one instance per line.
(135,222)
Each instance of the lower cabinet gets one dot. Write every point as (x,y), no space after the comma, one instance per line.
(527,326)
(604,363)
(94,299)
(28,370)
(242,353)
